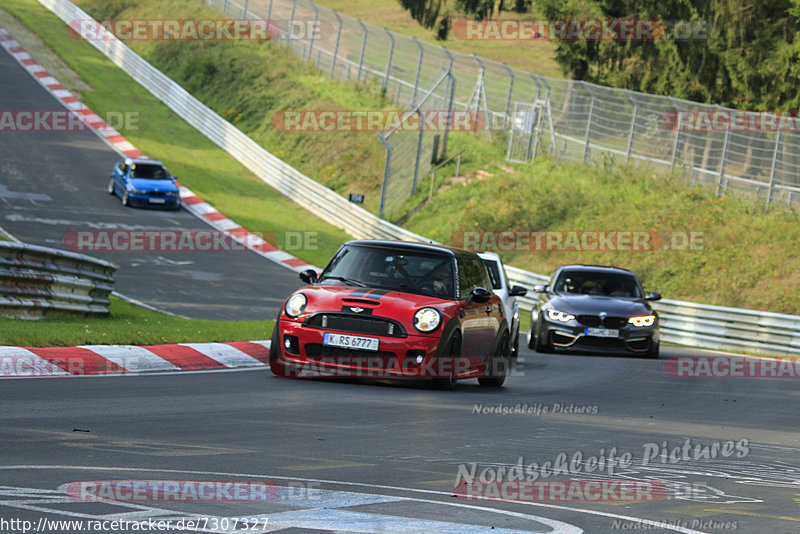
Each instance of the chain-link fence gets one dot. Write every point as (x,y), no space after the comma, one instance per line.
(720,147)
(415,144)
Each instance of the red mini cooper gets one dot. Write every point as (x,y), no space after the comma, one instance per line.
(385,309)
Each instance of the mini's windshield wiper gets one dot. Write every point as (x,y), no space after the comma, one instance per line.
(345,280)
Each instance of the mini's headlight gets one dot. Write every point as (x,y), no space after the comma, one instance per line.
(643,320)
(427,319)
(562,317)
(296,304)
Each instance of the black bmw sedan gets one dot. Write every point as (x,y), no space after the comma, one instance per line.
(590,307)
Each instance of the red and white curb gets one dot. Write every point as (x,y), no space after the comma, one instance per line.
(31,362)
(194,204)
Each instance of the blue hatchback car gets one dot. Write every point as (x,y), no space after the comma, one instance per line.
(144,182)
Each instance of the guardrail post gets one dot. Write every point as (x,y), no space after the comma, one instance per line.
(245,10)
(363,48)
(549,115)
(338,39)
(633,125)
(389,63)
(419,71)
(587,149)
(289,30)
(510,92)
(385,172)
(723,160)
(675,144)
(451,101)
(313,31)
(419,150)
(774,168)
(269,15)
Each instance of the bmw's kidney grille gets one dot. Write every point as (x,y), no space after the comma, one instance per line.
(374,326)
(594,321)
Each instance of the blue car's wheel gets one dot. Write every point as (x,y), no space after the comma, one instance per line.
(111,186)
(125,200)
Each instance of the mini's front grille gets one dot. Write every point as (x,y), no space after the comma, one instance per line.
(371,326)
(594,321)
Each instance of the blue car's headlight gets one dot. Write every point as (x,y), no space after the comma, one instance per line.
(559,316)
(172,194)
(138,192)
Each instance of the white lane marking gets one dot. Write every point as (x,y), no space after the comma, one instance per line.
(132,358)
(16,362)
(366,523)
(224,354)
(448,495)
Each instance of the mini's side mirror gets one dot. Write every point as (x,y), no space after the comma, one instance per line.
(518,291)
(540,288)
(309,276)
(479,295)
(652,295)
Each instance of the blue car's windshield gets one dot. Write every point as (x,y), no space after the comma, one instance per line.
(388,268)
(151,172)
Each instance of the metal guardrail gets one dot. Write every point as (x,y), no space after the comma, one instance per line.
(35,281)
(699,325)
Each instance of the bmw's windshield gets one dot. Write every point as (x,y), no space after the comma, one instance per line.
(391,268)
(151,172)
(600,283)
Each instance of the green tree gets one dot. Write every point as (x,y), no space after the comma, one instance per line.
(713,51)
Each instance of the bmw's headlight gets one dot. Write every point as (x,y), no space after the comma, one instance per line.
(427,319)
(172,193)
(296,304)
(138,192)
(559,316)
(642,320)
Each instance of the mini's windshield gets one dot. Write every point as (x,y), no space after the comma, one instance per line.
(389,268)
(598,283)
(151,172)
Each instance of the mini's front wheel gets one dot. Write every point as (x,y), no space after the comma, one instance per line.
(497,366)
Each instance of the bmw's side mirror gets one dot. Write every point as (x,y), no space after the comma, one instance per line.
(540,288)
(174,177)
(479,295)
(518,291)
(652,295)
(309,276)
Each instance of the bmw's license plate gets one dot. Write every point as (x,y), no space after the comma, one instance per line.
(157,201)
(350,342)
(602,332)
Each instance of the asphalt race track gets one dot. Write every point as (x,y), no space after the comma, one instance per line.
(370,456)
(244,451)
(52,183)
